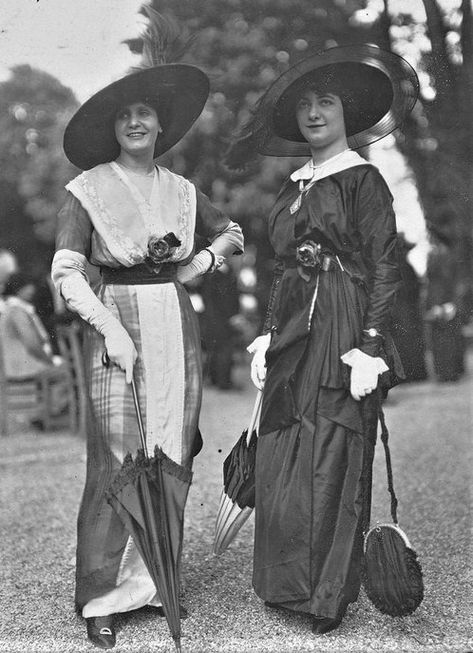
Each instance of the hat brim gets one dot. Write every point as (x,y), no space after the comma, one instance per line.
(383,86)
(178,93)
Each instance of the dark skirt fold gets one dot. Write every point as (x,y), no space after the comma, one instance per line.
(308,514)
(313,495)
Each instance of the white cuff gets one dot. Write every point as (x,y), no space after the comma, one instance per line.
(200,264)
(261,343)
(356,356)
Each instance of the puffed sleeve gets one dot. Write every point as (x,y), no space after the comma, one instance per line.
(74,228)
(68,270)
(225,235)
(377,227)
(73,241)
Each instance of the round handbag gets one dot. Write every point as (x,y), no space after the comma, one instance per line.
(391,572)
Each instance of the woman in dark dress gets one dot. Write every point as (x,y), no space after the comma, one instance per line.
(326,339)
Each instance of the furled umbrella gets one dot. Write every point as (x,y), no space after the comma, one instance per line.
(149,495)
(238,495)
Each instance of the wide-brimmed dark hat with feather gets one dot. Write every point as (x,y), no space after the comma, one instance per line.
(177,92)
(378,89)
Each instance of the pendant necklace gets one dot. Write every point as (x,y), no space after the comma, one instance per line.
(296,205)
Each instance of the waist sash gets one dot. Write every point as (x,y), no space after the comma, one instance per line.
(139,274)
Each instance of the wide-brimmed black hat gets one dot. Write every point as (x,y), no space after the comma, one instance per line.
(378,89)
(177,92)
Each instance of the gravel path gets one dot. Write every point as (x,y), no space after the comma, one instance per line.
(42,477)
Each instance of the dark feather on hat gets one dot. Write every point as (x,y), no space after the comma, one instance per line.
(162,41)
(250,136)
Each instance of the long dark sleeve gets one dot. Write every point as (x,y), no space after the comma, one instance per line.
(377,226)
(277,274)
(213,225)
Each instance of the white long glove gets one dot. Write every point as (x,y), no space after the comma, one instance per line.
(364,372)
(118,344)
(200,264)
(70,280)
(258,364)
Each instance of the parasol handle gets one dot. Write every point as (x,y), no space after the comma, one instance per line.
(106,362)
(139,417)
(255,416)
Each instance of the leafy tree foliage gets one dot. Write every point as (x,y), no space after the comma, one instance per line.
(34,108)
(438,140)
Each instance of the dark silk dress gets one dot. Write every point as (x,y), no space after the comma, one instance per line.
(316,444)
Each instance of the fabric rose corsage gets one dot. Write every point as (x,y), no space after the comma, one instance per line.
(308,257)
(161,249)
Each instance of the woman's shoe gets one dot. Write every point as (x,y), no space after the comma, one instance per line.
(101,632)
(273,606)
(323,625)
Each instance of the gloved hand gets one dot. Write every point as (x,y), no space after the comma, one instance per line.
(70,280)
(121,350)
(200,264)
(258,364)
(364,372)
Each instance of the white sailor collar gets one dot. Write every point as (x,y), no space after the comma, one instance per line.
(341,161)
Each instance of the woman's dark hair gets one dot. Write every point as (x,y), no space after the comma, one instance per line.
(325,86)
(359,105)
(17,281)
(160,105)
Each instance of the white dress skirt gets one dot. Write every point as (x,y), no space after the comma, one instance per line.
(111,576)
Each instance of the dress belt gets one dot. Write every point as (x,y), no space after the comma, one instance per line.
(140,274)
(328,263)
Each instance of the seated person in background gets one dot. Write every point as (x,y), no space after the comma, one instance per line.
(27,350)
(8,266)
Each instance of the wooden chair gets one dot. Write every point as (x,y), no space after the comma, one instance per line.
(32,398)
(70,348)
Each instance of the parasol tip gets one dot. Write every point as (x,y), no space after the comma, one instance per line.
(177,644)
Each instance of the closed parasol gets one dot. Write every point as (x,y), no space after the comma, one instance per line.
(238,495)
(149,495)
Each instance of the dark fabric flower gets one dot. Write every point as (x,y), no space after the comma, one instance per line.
(161,249)
(308,254)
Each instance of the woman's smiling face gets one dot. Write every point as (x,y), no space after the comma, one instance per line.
(136,128)
(320,120)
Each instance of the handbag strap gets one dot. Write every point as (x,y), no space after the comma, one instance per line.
(389,469)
